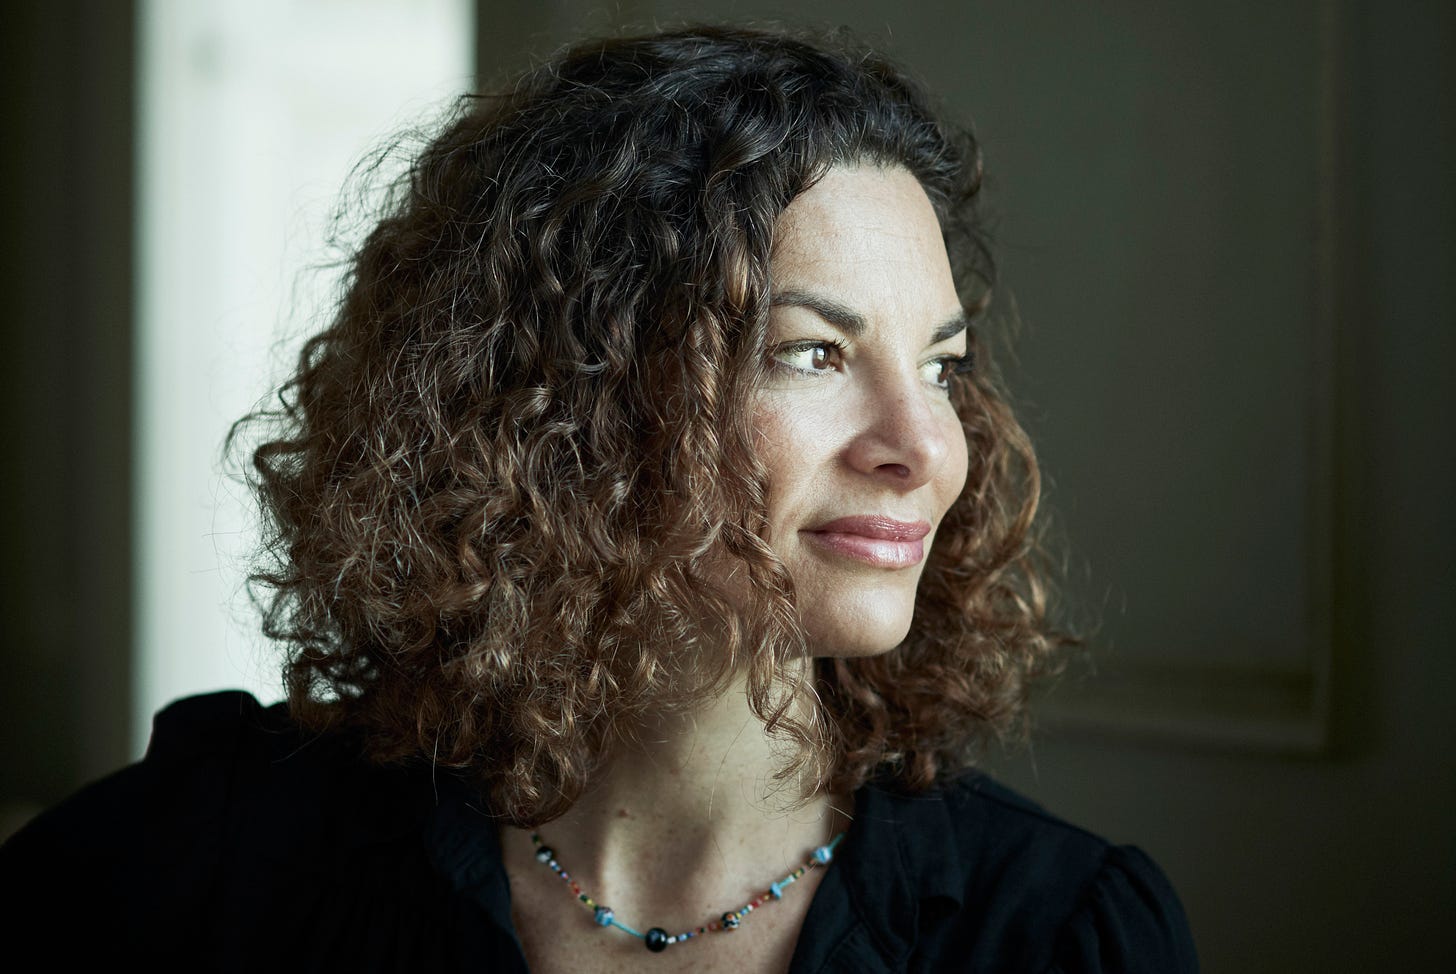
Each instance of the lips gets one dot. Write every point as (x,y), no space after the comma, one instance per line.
(874,540)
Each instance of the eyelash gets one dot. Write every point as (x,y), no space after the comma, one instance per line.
(836,350)
(955,365)
(960,364)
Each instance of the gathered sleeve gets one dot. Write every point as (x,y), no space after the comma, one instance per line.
(1128,922)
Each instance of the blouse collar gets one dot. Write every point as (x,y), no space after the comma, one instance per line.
(899,855)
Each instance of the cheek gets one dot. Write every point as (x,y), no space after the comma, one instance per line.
(792,445)
(772,433)
(957,466)
(772,445)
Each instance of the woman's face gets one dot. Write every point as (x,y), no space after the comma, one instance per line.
(864,451)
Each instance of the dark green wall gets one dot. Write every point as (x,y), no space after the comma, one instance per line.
(65,560)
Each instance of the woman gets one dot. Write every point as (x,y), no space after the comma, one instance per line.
(650,535)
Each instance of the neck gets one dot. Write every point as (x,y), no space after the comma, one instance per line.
(691,811)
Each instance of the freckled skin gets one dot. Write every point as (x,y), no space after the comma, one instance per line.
(864,426)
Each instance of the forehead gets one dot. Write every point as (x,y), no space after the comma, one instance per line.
(869,234)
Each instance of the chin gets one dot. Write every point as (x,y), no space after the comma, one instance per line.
(854,614)
(871,631)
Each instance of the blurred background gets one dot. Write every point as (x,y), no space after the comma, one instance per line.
(1226,233)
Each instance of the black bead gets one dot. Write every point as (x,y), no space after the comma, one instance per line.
(545,854)
(730,921)
(656,940)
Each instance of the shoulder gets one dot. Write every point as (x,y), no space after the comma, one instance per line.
(235,822)
(315,784)
(185,778)
(1004,885)
(218,758)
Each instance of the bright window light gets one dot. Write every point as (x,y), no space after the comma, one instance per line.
(252,114)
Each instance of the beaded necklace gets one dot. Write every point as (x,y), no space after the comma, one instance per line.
(657,939)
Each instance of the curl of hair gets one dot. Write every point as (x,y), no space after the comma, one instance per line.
(501,485)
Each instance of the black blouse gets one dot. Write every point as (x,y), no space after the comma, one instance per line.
(239,843)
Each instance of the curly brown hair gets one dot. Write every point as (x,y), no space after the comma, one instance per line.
(502,485)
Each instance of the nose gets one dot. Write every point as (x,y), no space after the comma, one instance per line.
(905,436)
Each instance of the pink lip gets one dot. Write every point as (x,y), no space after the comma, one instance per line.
(880,541)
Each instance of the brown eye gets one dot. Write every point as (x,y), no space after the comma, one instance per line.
(807,356)
(942,371)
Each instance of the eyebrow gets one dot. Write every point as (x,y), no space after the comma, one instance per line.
(851,322)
